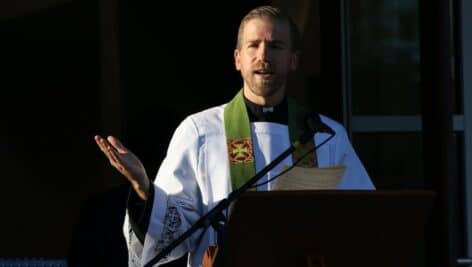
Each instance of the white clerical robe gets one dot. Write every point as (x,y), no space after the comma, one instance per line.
(195,176)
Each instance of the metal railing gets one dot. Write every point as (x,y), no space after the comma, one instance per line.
(464,262)
(33,262)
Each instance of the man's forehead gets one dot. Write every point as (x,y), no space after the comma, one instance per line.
(273,29)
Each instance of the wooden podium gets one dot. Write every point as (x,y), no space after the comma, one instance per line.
(329,228)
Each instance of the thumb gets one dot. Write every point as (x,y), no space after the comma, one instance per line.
(115,142)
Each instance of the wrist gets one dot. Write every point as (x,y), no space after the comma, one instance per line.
(142,189)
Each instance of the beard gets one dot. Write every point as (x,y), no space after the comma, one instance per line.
(264,86)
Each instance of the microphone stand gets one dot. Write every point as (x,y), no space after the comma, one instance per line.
(215,215)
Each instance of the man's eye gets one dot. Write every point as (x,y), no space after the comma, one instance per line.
(276,46)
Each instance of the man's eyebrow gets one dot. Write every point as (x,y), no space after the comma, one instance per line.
(277,42)
(254,41)
(273,42)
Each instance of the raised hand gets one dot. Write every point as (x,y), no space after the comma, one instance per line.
(126,163)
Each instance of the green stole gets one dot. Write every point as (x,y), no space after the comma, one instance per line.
(240,147)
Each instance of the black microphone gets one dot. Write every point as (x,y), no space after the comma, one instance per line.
(312,123)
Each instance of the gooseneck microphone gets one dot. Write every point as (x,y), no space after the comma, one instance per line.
(310,124)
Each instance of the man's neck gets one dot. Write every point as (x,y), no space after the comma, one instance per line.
(264,101)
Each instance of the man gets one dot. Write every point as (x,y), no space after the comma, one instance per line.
(215,151)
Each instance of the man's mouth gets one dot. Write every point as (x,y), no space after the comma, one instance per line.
(265,73)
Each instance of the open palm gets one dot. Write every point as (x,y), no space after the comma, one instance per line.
(126,163)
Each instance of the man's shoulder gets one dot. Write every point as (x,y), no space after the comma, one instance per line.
(209,115)
(209,120)
(332,123)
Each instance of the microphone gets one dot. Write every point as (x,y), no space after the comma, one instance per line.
(311,124)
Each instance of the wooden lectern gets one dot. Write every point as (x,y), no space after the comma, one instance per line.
(329,228)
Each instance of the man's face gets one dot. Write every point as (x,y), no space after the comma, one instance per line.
(265,57)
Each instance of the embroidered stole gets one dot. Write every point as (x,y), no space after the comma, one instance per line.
(240,145)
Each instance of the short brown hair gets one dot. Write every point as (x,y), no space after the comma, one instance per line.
(274,14)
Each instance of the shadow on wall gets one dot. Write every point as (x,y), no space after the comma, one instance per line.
(98,238)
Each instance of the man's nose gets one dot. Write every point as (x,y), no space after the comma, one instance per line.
(264,52)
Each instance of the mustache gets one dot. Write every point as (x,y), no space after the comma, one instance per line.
(263,66)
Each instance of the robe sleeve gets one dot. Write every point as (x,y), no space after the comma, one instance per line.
(339,151)
(139,213)
(355,176)
(176,204)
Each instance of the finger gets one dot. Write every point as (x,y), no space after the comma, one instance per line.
(105,147)
(115,159)
(111,153)
(101,143)
(115,142)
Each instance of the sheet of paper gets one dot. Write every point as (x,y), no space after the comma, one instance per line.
(300,178)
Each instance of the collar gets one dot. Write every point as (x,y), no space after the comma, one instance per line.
(276,114)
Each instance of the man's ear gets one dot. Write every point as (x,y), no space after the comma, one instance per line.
(294,60)
(237,62)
